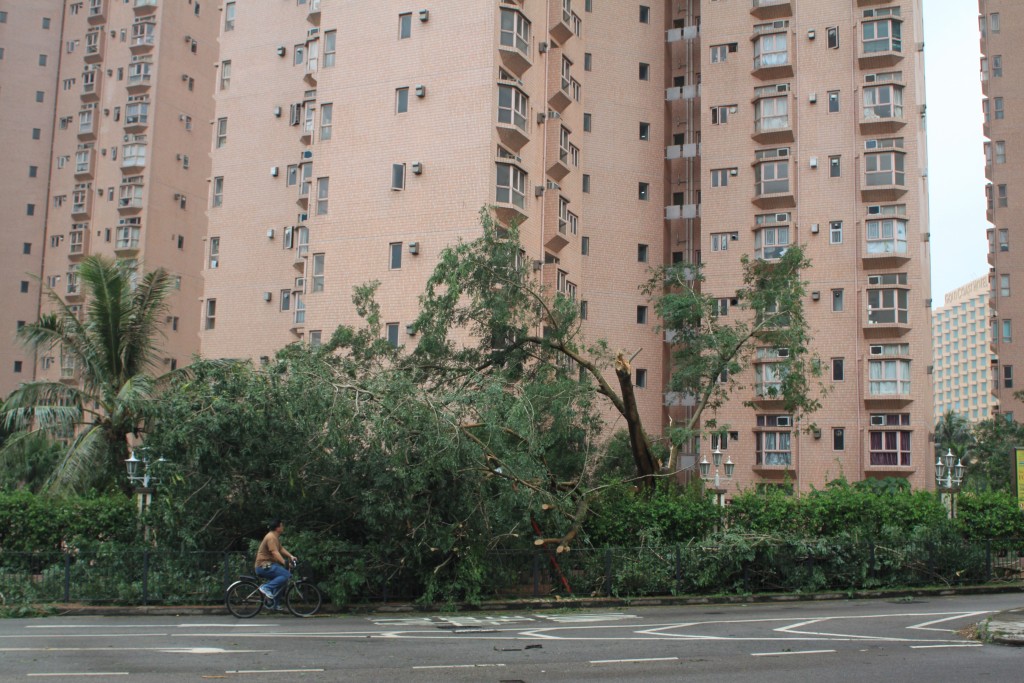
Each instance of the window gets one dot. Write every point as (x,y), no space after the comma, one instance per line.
(330,49)
(889,448)
(586,122)
(24,286)
(218,191)
(720,176)
(993,22)
(645,14)
(644,191)
(771,113)
(1003,199)
(641,315)
(395,258)
(888,306)
(214,256)
(513,106)
(584,309)
(720,240)
(298,308)
(588,61)
(404,25)
(510,187)
(835,232)
(586,182)
(641,253)
(299,55)
(771,243)
(286,300)
(773,440)
(515,30)
(585,246)
(997,66)
(229,16)
(17,366)
(37,133)
(317,284)
(838,370)
(833,101)
(641,378)
(884,167)
(222,132)
(837,300)
(888,377)
(1007,331)
(771,50)
(771,174)
(326,121)
(42,60)
(210,318)
(838,439)
(999,112)
(720,53)
(322,191)
(401,100)
(1004,239)
(1004,285)
(392,334)
(1008,376)
(833,37)
(225,74)
(645,131)
(645,71)
(720,114)
(1000,147)
(883,35)
(397,176)
(39,95)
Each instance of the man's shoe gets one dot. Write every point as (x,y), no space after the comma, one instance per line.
(277,608)
(266,592)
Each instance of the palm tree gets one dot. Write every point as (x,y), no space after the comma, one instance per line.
(953,433)
(110,353)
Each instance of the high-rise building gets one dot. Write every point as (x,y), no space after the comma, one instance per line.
(30,51)
(1001,23)
(961,377)
(129,164)
(352,142)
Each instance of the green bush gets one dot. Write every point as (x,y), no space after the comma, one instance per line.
(31,523)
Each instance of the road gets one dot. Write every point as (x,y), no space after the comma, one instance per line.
(805,641)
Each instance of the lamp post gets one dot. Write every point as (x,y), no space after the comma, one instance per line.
(716,480)
(142,474)
(948,477)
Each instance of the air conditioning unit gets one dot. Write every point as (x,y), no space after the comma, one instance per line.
(782,218)
(554,115)
(313,32)
(783,353)
(424,15)
(188,39)
(783,152)
(307,154)
(874,279)
(417,168)
(300,284)
(126,138)
(421,90)
(782,87)
(552,185)
(303,217)
(214,263)
(870,78)
(783,421)
(542,47)
(878,420)
(184,77)
(270,234)
(414,248)
(875,350)
(538,191)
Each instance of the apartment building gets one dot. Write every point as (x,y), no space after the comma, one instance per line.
(1001,23)
(962,378)
(129,164)
(812,132)
(356,141)
(29,55)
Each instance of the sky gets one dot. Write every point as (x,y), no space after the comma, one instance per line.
(956,161)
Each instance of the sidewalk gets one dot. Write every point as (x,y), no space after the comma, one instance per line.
(1005,628)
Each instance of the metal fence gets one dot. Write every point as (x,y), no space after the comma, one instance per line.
(151,576)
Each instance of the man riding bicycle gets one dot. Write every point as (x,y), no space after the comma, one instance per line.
(272,563)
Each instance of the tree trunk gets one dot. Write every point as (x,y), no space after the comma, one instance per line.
(643,459)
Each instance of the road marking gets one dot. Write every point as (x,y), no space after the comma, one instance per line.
(241,625)
(797,652)
(83,673)
(928,647)
(461,666)
(195,650)
(79,626)
(85,635)
(586,618)
(634,661)
(924,626)
(274,671)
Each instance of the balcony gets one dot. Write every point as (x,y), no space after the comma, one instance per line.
(514,59)
(560,22)
(78,245)
(82,209)
(888,254)
(691,151)
(85,164)
(883,192)
(889,464)
(69,375)
(678,211)
(126,246)
(97,10)
(772,66)
(87,133)
(774,462)
(561,98)
(512,136)
(869,3)
(559,168)
(773,130)
(91,88)
(94,43)
(771,9)
(886,118)
(674,35)
(881,324)
(313,16)
(143,42)
(874,56)
(775,200)
(133,163)
(144,7)
(138,83)
(685,92)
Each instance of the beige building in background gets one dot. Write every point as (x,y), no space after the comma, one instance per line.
(130,158)
(962,375)
(30,41)
(1002,24)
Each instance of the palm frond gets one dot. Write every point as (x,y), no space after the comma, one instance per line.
(80,463)
(53,405)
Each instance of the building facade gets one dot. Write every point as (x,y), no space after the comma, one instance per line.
(812,132)
(1001,22)
(129,164)
(963,364)
(30,42)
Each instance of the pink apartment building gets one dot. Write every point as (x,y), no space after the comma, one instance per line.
(351,142)
(1001,23)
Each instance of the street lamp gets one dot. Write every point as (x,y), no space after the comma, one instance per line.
(948,477)
(716,480)
(142,475)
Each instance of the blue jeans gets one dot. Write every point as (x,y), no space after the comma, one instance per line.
(277,576)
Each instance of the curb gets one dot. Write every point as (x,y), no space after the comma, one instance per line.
(1005,628)
(1013,631)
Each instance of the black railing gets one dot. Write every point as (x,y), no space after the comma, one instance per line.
(152,577)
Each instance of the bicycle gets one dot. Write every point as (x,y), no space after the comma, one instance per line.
(244,599)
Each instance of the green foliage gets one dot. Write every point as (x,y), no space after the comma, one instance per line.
(113,351)
(989,514)
(990,463)
(30,523)
(623,518)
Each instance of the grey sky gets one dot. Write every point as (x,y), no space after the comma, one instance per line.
(956,164)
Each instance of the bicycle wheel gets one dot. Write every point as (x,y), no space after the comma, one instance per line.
(303,599)
(243,599)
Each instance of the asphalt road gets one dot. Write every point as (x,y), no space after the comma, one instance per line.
(821,642)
